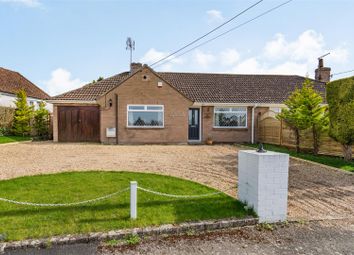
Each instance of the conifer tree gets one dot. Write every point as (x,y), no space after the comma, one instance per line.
(305,110)
(23,115)
(41,121)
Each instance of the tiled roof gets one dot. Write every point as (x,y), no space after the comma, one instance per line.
(237,88)
(11,82)
(91,91)
(209,87)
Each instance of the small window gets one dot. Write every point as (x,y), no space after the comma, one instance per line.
(230,117)
(145,116)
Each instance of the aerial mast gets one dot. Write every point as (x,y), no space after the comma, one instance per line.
(130,46)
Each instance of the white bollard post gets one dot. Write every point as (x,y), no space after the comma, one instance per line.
(133,199)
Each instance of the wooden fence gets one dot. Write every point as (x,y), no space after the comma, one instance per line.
(6,116)
(272,131)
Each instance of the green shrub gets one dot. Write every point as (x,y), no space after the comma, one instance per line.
(4,131)
(41,121)
(340,97)
(132,239)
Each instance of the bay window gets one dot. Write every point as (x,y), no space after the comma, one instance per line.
(230,117)
(145,116)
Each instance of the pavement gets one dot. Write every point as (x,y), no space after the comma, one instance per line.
(73,249)
(316,237)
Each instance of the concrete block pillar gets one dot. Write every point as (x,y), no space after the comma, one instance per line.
(263,183)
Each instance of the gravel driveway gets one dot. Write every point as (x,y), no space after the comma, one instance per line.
(314,191)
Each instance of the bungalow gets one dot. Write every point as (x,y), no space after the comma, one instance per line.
(144,106)
(11,82)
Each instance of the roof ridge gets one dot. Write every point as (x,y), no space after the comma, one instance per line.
(231,74)
(90,84)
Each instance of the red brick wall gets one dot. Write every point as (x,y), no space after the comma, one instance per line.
(136,90)
(225,135)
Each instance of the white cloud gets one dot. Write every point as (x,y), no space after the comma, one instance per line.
(255,66)
(307,47)
(202,59)
(153,55)
(61,82)
(229,57)
(248,66)
(276,48)
(299,56)
(28,3)
(278,56)
(214,16)
(339,55)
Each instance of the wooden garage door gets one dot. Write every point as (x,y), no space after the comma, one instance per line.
(78,124)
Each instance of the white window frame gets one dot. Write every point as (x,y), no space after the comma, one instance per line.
(230,107)
(146,110)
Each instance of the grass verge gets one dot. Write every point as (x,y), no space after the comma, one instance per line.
(23,222)
(11,139)
(323,159)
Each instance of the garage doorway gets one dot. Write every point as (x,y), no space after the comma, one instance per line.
(78,124)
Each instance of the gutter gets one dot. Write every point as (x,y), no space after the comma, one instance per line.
(71,102)
(277,105)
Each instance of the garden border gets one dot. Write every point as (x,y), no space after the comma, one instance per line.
(305,160)
(170,229)
(13,143)
(323,165)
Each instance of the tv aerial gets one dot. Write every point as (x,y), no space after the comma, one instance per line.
(130,46)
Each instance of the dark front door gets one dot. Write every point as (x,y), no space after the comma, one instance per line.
(78,124)
(193,124)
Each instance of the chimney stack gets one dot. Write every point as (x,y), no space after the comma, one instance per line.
(135,67)
(322,73)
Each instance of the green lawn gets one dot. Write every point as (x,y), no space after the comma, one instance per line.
(21,222)
(323,159)
(11,139)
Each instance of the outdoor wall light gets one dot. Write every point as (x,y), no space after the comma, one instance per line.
(110,102)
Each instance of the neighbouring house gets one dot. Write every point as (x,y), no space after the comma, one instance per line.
(11,82)
(144,106)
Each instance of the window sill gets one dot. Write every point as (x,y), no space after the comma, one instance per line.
(144,128)
(230,128)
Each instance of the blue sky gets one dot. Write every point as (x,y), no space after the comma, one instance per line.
(61,45)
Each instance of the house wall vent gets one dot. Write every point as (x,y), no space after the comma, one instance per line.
(146,77)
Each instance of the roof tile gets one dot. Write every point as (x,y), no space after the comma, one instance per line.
(210,87)
(11,82)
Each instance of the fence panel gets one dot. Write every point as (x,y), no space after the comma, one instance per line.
(273,131)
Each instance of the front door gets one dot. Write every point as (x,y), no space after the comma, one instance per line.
(193,124)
